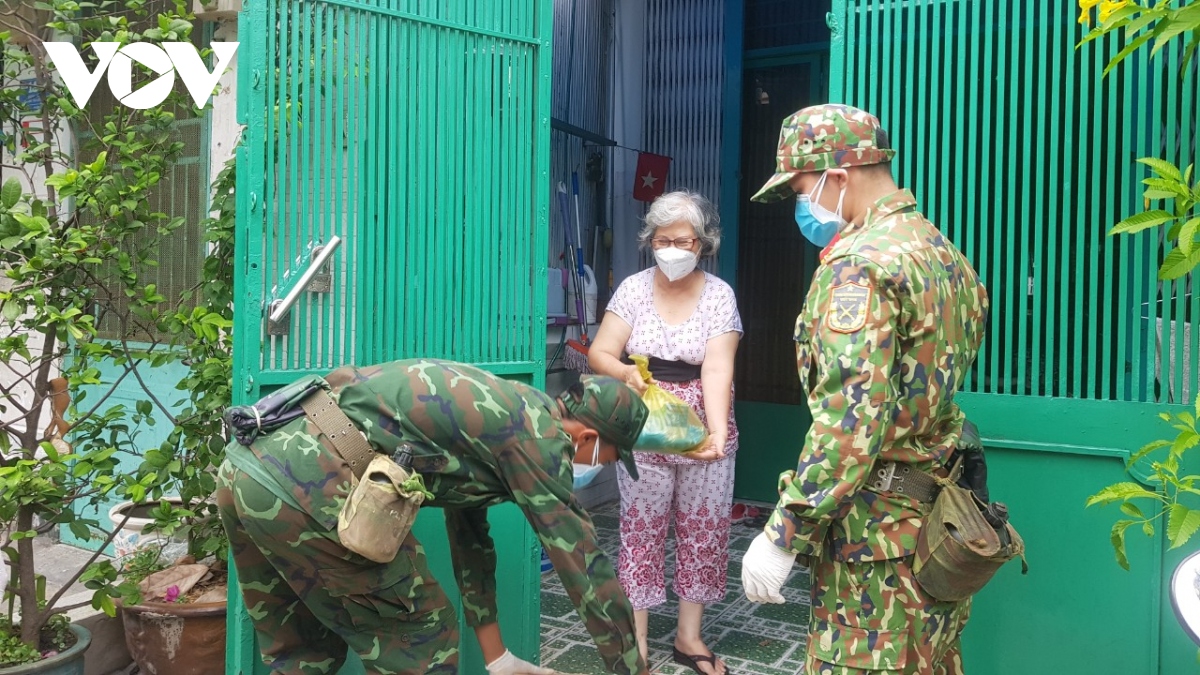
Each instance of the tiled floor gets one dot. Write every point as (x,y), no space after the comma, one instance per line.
(753,639)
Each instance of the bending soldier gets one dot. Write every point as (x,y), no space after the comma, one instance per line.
(476,440)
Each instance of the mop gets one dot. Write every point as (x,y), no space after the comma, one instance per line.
(576,355)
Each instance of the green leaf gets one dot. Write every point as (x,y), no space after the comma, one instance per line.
(1187,236)
(1118,541)
(1141,221)
(80,530)
(1167,31)
(1132,511)
(1176,264)
(1155,195)
(107,606)
(1129,49)
(1182,524)
(1147,449)
(1185,440)
(1163,168)
(1120,492)
(10,194)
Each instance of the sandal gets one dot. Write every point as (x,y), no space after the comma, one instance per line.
(693,661)
(744,513)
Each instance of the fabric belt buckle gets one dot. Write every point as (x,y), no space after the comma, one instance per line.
(903,479)
(886,474)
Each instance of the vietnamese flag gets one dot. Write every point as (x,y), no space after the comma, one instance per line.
(651,176)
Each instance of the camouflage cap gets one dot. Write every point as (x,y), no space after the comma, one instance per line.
(824,137)
(612,408)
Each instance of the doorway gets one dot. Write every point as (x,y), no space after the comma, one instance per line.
(775,265)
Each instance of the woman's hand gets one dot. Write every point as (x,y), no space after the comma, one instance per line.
(713,450)
(633,377)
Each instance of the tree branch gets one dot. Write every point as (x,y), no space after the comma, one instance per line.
(50,610)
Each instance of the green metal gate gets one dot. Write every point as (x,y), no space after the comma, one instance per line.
(392,186)
(1019,151)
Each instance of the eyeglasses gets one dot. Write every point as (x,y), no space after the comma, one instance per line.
(679,242)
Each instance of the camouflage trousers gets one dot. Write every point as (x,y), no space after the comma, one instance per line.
(871,617)
(310,599)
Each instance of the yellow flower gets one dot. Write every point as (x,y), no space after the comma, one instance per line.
(1085,10)
(1107,7)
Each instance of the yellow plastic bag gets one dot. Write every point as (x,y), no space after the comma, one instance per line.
(672,427)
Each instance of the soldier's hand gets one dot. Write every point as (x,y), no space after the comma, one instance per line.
(508,664)
(765,568)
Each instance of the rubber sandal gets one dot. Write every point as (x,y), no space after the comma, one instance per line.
(693,661)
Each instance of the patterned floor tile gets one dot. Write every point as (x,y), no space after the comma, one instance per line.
(753,639)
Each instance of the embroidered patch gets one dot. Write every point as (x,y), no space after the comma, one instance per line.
(847,310)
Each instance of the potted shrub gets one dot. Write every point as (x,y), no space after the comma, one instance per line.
(81,319)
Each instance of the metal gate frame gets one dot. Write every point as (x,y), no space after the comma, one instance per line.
(423,268)
(1065,428)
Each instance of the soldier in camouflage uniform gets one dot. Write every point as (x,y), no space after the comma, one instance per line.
(892,323)
(478,440)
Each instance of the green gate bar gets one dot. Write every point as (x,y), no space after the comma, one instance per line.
(418,133)
(1025,157)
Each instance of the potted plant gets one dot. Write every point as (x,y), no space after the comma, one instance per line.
(81,319)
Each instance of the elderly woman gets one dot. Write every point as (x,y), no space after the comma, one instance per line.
(686,320)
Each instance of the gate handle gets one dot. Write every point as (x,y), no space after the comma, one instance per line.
(280,308)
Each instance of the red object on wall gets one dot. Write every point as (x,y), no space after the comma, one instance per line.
(651,177)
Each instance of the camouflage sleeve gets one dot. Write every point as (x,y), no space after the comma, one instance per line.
(540,481)
(473,555)
(852,398)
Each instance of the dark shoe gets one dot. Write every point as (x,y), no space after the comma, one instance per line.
(693,661)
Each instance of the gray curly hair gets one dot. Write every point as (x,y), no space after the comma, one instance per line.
(690,207)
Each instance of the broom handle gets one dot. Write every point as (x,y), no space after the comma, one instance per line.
(580,276)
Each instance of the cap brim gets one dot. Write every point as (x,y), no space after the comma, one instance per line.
(776,189)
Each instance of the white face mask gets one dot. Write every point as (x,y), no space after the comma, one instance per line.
(675,263)
(586,473)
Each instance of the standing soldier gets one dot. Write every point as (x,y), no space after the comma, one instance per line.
(892,323)
(475,440)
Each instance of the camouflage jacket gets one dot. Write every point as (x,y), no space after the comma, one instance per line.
(892,323)
(481,440)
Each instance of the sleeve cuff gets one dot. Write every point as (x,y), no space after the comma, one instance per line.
(794,534)
(479,611)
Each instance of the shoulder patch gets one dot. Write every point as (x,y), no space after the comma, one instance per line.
(847,309)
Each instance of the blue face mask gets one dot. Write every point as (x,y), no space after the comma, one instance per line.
(586,473)
(816,222)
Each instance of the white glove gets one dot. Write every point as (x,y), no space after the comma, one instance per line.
(511,665)
(765,568)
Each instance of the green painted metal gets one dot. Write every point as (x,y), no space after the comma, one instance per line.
(419,133)
(1028,160)
(985,100)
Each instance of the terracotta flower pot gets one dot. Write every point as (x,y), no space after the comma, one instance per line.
(69,662)
(176,638)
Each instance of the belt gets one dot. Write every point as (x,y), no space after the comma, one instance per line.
(346,438)
(670,371)
(905,479)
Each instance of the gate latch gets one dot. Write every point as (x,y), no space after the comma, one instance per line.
(306,275)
